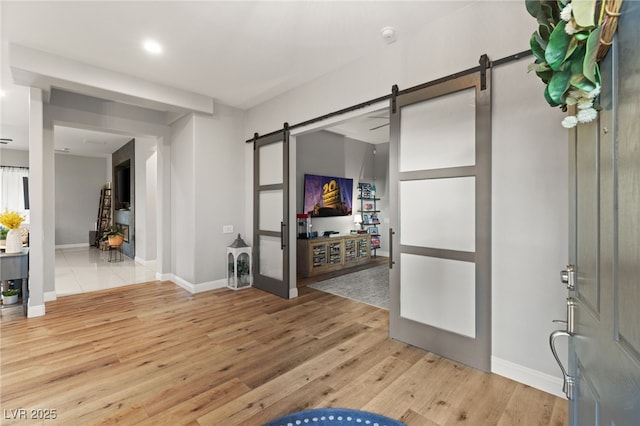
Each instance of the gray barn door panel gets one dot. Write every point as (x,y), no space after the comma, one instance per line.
(440,197)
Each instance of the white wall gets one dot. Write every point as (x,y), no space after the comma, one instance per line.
(530,220)
(14,157)
(78,181)
(530,187)
(207,193)
(219,190)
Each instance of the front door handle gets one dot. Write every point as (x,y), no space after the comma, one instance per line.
(568,381)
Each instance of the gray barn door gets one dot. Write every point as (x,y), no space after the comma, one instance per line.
(440,197)
(604,349)
(271,213)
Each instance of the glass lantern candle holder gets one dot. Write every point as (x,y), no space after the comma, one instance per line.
(239,274)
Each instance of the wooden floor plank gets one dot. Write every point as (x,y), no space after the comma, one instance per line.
(308,396)
(415,419)
(441,402)
(359,391)
(154,354)
(410,387)
(527,403)
(189,410)
(482,401)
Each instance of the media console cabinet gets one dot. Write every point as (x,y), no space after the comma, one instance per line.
(325,254)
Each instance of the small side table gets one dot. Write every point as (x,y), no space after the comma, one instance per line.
(15,266)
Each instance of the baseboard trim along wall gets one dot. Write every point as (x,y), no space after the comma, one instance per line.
(68,246)
(35,311)
(206,286)
(163,277)
(527,376)
(144,262)
(198,288)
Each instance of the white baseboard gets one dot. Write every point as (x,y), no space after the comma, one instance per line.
(200,287)
(535,379)
(182,283)
(144,262)
(293,293)
(163,277)
(67,246)
(383,253)
(35,311)
(50,296)
(210,285)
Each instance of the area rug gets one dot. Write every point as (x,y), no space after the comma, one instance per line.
(333,417)
(370,286)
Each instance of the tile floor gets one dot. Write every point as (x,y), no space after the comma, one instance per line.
(370,286)
(84,269)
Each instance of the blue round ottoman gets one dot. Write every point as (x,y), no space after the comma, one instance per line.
(333,417)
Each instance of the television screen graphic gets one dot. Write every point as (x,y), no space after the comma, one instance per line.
(326,196)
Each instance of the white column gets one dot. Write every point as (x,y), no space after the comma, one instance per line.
(163,203)
(49,209)
(36,202)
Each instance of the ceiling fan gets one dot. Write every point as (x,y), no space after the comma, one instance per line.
(377,127)
(381,117)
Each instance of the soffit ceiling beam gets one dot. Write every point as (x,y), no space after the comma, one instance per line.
(35,68)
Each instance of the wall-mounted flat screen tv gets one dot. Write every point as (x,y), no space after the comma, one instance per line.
(326,196)
(123,184)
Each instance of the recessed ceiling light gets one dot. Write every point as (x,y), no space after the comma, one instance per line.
(152,47)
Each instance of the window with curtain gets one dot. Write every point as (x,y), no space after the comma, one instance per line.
(11,188)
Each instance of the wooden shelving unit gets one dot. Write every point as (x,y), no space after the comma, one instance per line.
(104,214)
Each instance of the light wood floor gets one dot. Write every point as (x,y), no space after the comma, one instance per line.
(154,354)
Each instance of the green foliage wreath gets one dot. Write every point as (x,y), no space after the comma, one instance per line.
(566,51)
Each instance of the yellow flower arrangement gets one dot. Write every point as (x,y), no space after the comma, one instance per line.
(11,219)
